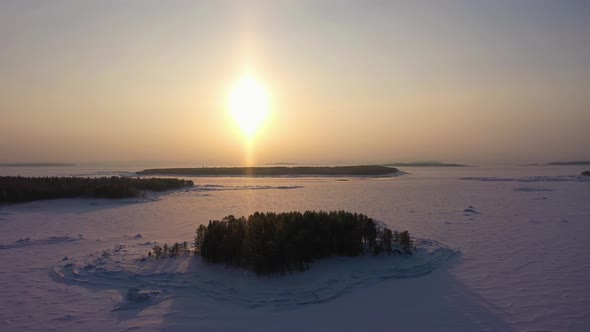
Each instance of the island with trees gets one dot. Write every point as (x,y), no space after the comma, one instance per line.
(425,164)
(278,243)
(586,173)
(562,163)
(18,189)
(363,170)
(570,163)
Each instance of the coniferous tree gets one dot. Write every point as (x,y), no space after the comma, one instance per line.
(199,237)
(157,251)
(406,242)
(387,240)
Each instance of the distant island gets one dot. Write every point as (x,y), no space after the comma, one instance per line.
(570,163)
(18,189)
(368,170)
(35,165)
(281,164)
(425,164)
(277,243)
(586,173)
(561,163)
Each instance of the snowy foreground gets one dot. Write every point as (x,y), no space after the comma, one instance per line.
(498,250)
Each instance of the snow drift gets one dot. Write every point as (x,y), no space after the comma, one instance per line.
(148,280)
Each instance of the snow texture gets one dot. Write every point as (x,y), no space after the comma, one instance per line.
(124,267)
(498,259)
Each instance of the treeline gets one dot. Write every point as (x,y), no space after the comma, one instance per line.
(174,250)
(586,173)
(570,163)
(271,243)
(362,170)
(16,189)
(426,164)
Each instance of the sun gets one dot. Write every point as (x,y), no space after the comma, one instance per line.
(249,104)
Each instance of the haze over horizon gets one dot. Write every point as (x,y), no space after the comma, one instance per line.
(463,81)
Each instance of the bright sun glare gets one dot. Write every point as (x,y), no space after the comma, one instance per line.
(248,103)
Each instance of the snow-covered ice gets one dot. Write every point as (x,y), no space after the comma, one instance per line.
(495,256)
(127,267)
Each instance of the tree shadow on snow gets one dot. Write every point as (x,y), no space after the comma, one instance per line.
(179,302)
(434,302)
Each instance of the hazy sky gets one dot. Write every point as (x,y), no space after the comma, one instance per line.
(349,81)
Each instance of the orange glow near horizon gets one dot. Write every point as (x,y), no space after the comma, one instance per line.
(262,82)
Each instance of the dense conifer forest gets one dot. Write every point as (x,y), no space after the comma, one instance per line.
(276,243)
(17,189)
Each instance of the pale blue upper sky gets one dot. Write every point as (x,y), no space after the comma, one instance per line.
(357,81)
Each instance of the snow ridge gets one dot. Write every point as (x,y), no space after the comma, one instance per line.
(126,267)
(42,241)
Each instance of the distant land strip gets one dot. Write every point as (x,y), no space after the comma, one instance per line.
(573,163)
(35,165)
(425,164)
(368,170)
(562,163)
